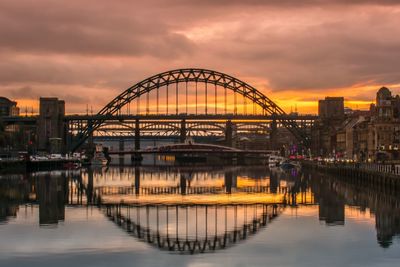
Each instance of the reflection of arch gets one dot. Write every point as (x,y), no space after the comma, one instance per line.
(192,75)
(181,241)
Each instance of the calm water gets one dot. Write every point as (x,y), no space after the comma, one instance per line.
(194,216)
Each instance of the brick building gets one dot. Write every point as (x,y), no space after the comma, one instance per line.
(8,107)
(372,135)
(50,122)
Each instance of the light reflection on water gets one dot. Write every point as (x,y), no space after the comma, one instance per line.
(177,215)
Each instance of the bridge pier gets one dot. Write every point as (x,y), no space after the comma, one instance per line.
(183,131)
(90,130)
(137,135)
(228,133)
(273,134)
(137,157)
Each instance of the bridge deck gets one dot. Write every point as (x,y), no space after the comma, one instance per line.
(152,117)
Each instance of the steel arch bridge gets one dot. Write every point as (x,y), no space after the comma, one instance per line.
(210,78)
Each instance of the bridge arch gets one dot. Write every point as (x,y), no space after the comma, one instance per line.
(196,75)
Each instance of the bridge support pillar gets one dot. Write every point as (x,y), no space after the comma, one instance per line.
(183,131)
(90,130)
(273,134)
(137,135)
(228,133)
(137,157)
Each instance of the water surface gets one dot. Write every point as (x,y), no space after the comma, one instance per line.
(194,216)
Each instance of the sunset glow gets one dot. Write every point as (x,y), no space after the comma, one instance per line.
(294,53)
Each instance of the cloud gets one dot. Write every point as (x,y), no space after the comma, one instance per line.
(49,27)
(78,51)
(22,92)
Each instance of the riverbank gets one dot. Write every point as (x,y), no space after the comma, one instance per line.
(19,165)
(378,175)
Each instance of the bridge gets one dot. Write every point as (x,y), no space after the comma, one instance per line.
(187,102)
(175,104)
(192,148)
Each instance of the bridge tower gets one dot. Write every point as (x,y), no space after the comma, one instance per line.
(50,130)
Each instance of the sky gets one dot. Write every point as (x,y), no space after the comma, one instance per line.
(295,52)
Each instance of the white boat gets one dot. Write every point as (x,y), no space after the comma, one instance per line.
(99,159)
(274,160)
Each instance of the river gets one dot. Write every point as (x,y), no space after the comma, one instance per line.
(195,216)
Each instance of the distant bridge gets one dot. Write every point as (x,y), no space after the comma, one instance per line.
(192,149)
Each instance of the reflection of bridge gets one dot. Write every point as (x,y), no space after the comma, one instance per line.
(147,185)
(52,192)
(217,213)
(192,229)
